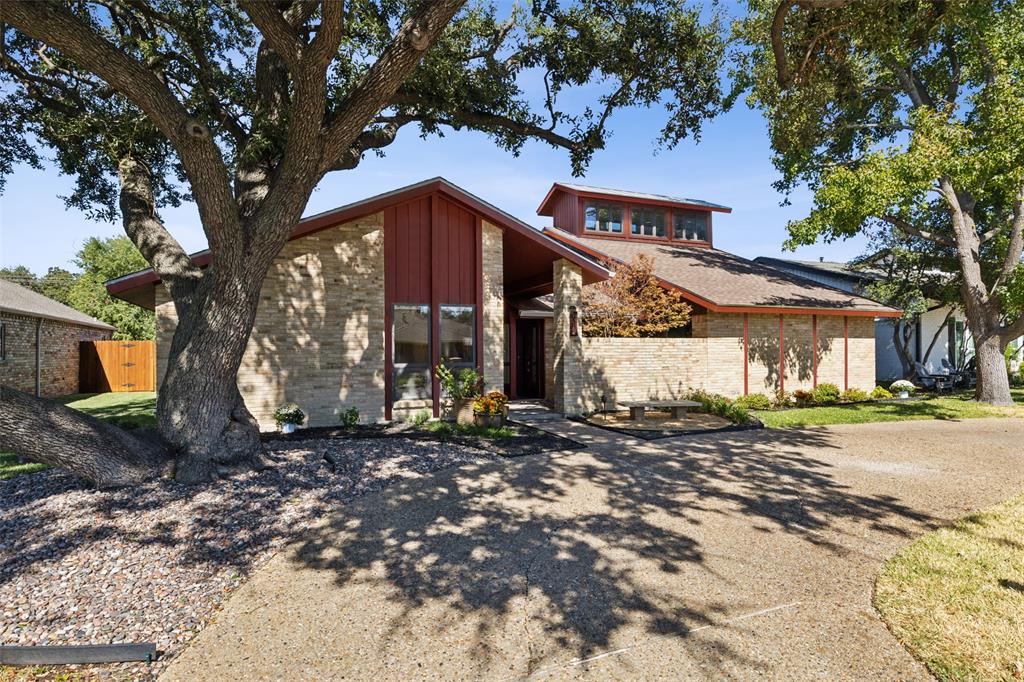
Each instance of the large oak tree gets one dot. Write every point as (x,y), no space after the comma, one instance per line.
(906,114)
(243,106)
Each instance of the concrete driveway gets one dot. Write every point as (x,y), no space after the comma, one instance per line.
(734,556)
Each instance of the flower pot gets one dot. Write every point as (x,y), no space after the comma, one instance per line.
(904,395)
(489,421)
(463,408)
(287,428)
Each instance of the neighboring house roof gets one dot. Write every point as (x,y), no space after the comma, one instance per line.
(723,282)
(21,301)
(589,190)
(825,267)
(128,287)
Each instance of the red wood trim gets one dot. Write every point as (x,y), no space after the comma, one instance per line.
(814,349)
(746,353)
(711,232)
(641,238)
(846,353)
(782,352)
(513,353)
(479,265)
(435,303)
(390,258)
(541,361)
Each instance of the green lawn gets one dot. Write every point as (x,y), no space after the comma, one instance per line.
(949,407)
(127,410)
(955,597)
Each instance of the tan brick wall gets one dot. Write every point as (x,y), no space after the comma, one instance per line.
(318,339)
(494,309)
(862,353)
(59,354)
(640,369)
(568,286)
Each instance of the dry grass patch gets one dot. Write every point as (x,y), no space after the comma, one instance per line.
(955,597)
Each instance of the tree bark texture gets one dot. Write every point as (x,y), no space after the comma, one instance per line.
(104,454)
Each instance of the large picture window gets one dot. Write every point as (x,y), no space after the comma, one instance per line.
(691,226)
(602,217)
(648,222)
(411,346)
(458,330)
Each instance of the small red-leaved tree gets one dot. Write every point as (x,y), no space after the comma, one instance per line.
(632,303)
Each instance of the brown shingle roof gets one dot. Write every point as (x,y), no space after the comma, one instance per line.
(721,280)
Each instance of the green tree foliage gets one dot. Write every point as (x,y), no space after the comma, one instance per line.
(105,259)
(905,115)
(21,276)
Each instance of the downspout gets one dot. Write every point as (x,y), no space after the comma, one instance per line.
(39,356)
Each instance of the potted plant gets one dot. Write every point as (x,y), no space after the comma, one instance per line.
(462,388)
(902,388)
(288,416)
(490,411)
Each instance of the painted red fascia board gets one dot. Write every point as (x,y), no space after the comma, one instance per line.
(545,208)
(642,239)
(716,308)
(329,219)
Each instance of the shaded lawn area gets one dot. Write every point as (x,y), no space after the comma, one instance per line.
(127,410)
(955,597)
(947,407)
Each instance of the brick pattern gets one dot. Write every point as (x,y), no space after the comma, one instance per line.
(494,309)
(549,360)
(567,349)
(59,354)
(318,339)
(640,369)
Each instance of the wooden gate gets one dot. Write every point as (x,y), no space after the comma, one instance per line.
(117,366)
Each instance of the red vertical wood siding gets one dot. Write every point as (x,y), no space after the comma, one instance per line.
(455,258)
(566,212)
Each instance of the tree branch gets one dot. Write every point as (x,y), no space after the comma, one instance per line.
(783,73)
(198,153)
(328,38)
(383,79)
(908,229)
(279,34)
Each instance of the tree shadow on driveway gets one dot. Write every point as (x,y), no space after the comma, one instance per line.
(569,556)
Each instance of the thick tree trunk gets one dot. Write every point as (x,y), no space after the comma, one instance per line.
(104,454)
(200,411)
(993,379)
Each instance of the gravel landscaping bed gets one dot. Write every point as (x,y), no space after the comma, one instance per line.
(153,563)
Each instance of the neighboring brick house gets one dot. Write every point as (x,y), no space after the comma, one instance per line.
(365,299)
(39,341)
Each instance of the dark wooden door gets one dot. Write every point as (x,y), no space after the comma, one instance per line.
(530,358)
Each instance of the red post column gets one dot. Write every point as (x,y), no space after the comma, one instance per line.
(746,353)
(513,358)
(782,352)
(846,352)
(814,349)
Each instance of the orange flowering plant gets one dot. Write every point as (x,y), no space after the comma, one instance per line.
(492,403)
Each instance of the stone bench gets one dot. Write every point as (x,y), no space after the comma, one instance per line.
(678,408)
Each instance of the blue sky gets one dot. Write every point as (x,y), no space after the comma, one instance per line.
(731,165)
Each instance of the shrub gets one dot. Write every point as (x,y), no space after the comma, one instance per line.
(825,394)
(754,401)
(465,384)
(880,393)
(289,413)
(854,395)
(350,417)
(1020,375)
(803,398)
(719,405)
(421,417)
(902,385)
(782,399)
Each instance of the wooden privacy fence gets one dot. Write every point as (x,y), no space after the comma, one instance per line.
(117,366)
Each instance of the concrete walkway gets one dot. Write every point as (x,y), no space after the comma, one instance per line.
(745,555)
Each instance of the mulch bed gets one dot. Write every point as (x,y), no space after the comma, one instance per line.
(656,427)
(525,440)
(153,563)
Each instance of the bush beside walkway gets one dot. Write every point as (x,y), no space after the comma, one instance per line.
(955,597)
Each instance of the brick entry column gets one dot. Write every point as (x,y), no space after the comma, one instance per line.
(567,349)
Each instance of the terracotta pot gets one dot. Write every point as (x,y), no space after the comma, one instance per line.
(463,409)
(489,421)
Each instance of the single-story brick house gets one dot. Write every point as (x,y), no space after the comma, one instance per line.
(366,298)
(39,341)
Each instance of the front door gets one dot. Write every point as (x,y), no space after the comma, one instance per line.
(529,358)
